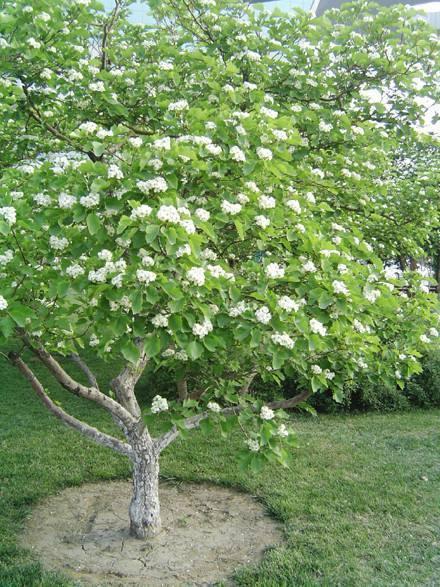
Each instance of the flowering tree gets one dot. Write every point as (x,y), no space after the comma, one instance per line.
(191,195)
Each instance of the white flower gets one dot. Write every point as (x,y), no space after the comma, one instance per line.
(339,287)
(178,106)
(294,205)
(163,144)
(181,356)
(183,250)
(144,276)
(316,369)
(266,413)
(168,214)
(188,226)
(196,275)
(58,244)
(94,340)
(160,321)
(317,327)
(114,172)
(6,257)
(329,374)
(88,127)
(252,186)
(252,56)
(230,208)
(135,142)
(288,304)
(424,338)
(309,267)
(75,270)
(90,200)
(214,407)
(371,295)
(203,329)
(141,212)
(3,303)
(237,154)
(214,149)
(266,202)
(325,127)
(159,404)
(283,340)
(262,221)
(97,86)
(253,445)
(282,431)
(268,112)
(202,214)
(9,214)
(158,184)
(264,154)
(165,65)
(274,271)
(433,332)
(237,310)
(263,315)
(33,43)
(103,133)
(147,261)
(66,201)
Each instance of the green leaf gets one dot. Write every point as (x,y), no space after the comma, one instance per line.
(152,345)
(98,148)
(151,233)
(93,223)
(130,352)
(240,229)
(20,314)
(194,350)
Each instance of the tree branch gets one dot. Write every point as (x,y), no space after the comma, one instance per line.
(93,382)
(77,388)
(194,421)
(123,384)
(89,431)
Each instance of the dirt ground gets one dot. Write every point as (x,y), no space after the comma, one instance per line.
(208,531)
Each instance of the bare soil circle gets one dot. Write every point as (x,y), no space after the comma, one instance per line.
(208,532)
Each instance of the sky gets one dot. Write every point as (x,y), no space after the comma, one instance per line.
(140,14)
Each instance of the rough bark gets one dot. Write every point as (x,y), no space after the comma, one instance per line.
(144,507)
(87,430)
(123,385)
(182,389)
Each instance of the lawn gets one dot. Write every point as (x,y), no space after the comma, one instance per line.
(360,504)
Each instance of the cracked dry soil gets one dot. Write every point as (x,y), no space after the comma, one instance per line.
(208,532)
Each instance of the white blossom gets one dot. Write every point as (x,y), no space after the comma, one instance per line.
(317,327)
(264,154)
(159,404)
(158,184)
(202,329)
(142,211)
(339,287)
(230,208)
(266,413)
(288,304)
(263,315)
(294,205)
(266,202)
(214,407)
(237,154)
(58,244)
(262,221)
(144,276)
(9,214)
(114,172)
(168,214)
(283,340)
(274,271)
(196,275)
(3,303)
(160,321)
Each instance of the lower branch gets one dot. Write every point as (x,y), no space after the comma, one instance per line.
(194,421)
(99,437)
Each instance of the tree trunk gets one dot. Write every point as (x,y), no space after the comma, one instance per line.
(144,508)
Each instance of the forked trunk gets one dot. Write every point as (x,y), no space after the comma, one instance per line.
(144,508)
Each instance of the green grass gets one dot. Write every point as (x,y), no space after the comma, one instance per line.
(355,504)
